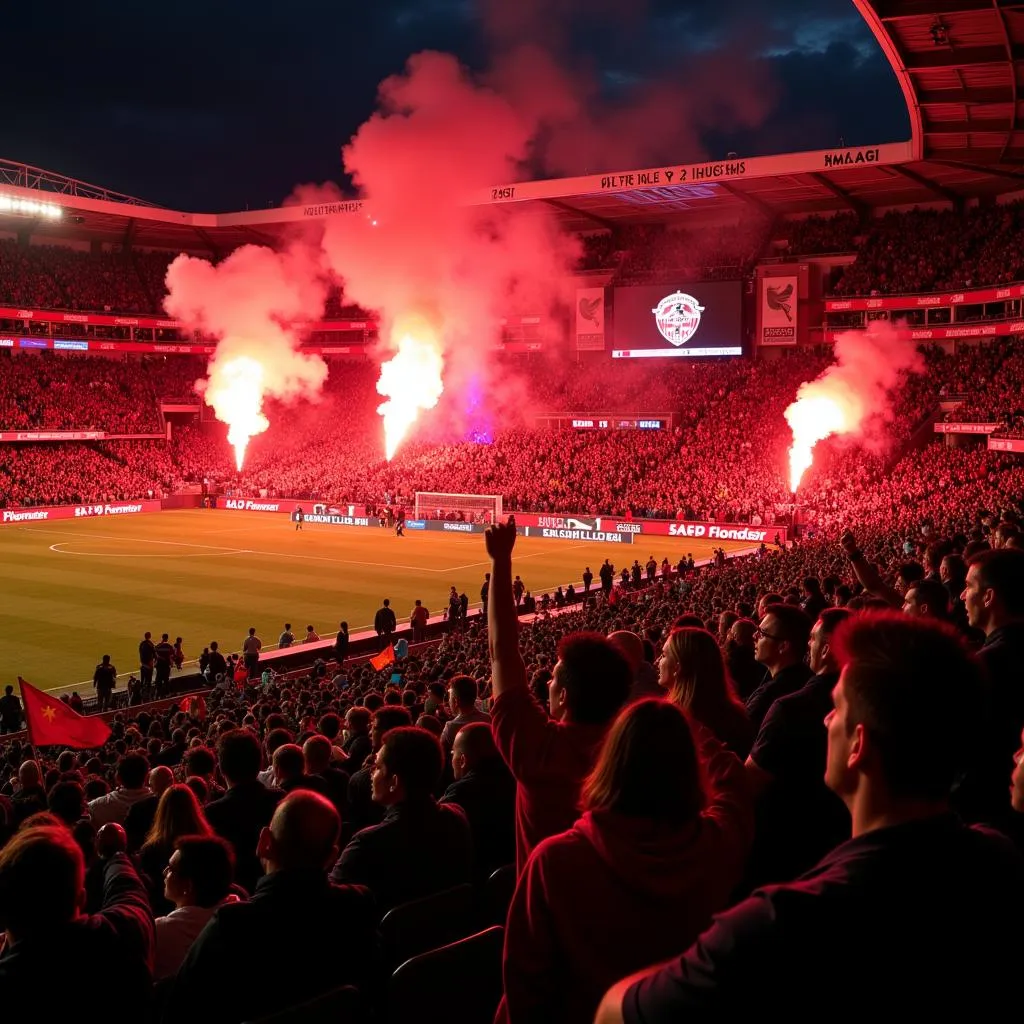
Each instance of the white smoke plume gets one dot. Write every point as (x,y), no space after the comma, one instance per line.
(851,395)
(254,302)
(425,255)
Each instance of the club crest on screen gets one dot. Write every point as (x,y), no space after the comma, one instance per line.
(678,317)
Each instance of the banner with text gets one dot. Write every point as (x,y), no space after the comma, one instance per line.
(37,515)
(989,330)
(147,322)
(778,311)
(587,525)
(1006,444)
(590,309)
(966,428)
(931,300)
(563,526)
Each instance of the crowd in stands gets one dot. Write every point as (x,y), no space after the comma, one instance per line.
(935,250)
(817,235)
(49,391)
(712,460)
(57,277)
(715,792)
(644,763)
(999,399)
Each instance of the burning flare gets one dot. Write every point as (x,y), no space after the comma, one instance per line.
(812,418)
(235,392)
(411,381)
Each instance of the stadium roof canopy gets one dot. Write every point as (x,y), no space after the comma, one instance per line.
(959,63)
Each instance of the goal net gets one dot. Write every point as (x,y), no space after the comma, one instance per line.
(467,508)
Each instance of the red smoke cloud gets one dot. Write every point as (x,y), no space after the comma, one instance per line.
(438,140)
(854,396)
(251,302)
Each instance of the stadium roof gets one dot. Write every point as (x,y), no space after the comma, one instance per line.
(957,61)
(959,65)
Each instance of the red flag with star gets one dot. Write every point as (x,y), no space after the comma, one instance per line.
(50,722)
(385,658)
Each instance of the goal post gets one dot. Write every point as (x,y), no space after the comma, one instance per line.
(470,508)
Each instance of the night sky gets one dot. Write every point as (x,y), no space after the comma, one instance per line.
(217,106)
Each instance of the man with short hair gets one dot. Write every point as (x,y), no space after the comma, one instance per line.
(891,906)
(363,809)
(287,637)
(405,775)
(139,819)
(358,745)
(994,598)
(246,807)
(131,774)
(147,659)
(317,752)
(164,652)
(290,771)
(251,647)
(418,621)
(10,712)
(799,819)
(30,796)
(384,623)
(318,936)
(927,597)
(549,757)
(217,665)
(54,953)
(104,679)
(463,694)
(782,640)
(486,792)
(197,880)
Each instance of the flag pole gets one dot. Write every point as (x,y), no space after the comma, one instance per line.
(28,722)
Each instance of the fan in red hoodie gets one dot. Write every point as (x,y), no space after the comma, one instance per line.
(549,757)
(638,877)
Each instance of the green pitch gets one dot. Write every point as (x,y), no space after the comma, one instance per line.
(73,590)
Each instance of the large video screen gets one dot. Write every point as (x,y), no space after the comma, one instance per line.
(689,320)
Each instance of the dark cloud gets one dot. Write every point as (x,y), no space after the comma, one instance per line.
(212,106)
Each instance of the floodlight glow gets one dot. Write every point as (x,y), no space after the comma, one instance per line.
(29,207)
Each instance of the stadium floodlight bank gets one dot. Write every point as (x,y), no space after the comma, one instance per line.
(471,508)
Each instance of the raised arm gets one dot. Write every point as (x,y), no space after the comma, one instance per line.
(867,575)
(507,667)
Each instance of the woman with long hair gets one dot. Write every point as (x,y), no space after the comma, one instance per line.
(692,672)
(178,814)
(666,827)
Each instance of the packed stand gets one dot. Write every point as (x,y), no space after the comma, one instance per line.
(749,769)
(818,236)
(934,250)
(56,277)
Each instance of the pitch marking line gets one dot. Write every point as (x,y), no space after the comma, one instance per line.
(215,549)
(219,549)
(58,549)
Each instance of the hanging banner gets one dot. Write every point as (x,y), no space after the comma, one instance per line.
(590,309)
(778,310)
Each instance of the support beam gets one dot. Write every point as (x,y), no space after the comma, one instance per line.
(208,242)
(940,190)
(1008,42)
(996,172)
(745,197)
(601,222)
(129,234)
(932,9)
(857,205)
(974,96)
(945,57)
(971,126)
